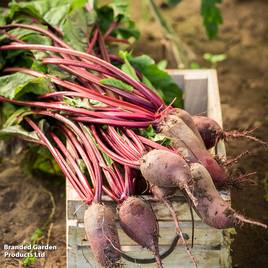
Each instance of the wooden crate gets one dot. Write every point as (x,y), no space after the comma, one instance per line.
(211,246)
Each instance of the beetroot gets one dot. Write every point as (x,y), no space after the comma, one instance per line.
(174,127)
(138,221)
(189,145)
(211,132)
(188,120)
(211,208)
(102,235)
(167,169)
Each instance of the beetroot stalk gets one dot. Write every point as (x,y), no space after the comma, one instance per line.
(150,95)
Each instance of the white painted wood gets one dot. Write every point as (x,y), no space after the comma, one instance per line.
(212,247)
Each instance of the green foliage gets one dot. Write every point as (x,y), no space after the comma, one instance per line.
(194,66)
(171,3)
(28,261)
(72,17)
(18,131)
(77,28)
(214,58)
(14,86)
(77,102)
(37,234)
(151,134)
(154,77)
(116,83)
(211,16)
(116,11)
(35,237)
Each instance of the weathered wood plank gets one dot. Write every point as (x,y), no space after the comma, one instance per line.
(204,237)
(178,259)
(76,210)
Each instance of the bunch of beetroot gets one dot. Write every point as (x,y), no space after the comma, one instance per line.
(93,125)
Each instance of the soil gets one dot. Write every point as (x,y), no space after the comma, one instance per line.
(243,84)
(28,203)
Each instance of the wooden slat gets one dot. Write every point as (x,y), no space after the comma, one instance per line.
(204,237)
(76,210)
(178,259)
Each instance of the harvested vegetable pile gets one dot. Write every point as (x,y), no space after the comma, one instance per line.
(108,119)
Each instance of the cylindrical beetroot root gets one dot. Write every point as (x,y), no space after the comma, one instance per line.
(209,129)
(102,235)
(211,132)
(166,169)
(174,127)
(188,144)
(211,208)
(188,120)
(138,221)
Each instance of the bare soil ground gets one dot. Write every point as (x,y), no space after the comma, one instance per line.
(26,203)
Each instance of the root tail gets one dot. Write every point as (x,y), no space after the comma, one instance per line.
(244,134)
(178,229)
(235,160)
(243,179)
(190,195)
(241,219)
(158,259)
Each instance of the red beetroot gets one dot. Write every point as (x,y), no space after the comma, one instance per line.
(102,235)
(211,208)
(188,120)
(166,169)
(187,143)
(138,221)
(211,132)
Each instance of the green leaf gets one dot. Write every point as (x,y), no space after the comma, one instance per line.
(16,85)
(38,233)
(162,139)
(46,165)
(117,12)
(148,132)
(162,65)
(68,15)
(29,260)
(78,102)
(151,134)
(97,103)
(77,28)
(161,81)
(116,83)
(214,58)
(119,8)
(6,110)
(17,116)
(211,16)
(2,17)
(52,12)
(126,67)
(195,65)
(171,3)
(19,131)
(109,161)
